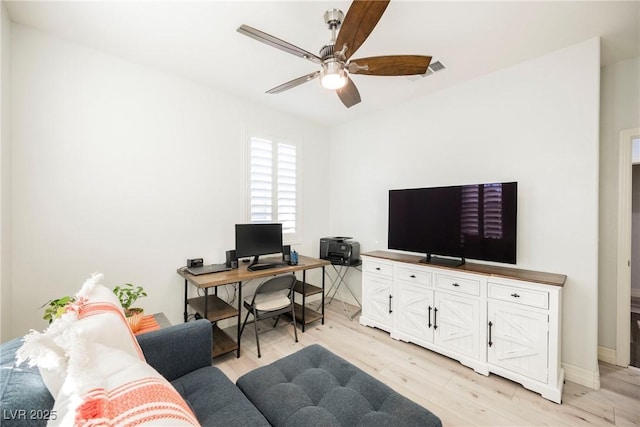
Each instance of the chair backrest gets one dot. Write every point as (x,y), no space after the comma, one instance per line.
(277,283)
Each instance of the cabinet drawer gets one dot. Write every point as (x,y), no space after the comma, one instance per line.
(522,296)
(414,275)
(376,267)
(458,284)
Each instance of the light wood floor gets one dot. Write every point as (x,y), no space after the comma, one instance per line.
(453,392)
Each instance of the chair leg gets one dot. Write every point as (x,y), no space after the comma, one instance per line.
(255,326)
(276,322)
(295,328)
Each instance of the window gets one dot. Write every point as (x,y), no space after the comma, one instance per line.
(273,185)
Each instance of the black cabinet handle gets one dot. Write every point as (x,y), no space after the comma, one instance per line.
(435,318)
(429,316)
(515,295)
(455,285)
(378,268)
(413,276)
(390,311)
(490,325)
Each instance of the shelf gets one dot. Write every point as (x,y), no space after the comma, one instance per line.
(222,343)
(217,309)
(309,315)
(309,289)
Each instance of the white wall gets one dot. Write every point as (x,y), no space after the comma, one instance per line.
(124,170)
(535,123)
(5,174)
(620,109)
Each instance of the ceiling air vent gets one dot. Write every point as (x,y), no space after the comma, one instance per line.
(434,67)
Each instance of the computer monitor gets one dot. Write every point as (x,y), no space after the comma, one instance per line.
(258,239)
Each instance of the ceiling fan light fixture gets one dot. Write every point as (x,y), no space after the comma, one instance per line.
(333,75)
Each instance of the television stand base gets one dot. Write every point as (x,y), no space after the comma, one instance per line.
(446,262)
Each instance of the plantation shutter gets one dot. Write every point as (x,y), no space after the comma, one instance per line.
(482,220)
(273,184)
(493,211)
(470,210)
(261,181)
(287,187)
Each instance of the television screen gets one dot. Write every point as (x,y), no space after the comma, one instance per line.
(258,239)
(467,221)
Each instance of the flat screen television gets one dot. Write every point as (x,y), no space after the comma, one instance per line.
(253,240)
(475,221)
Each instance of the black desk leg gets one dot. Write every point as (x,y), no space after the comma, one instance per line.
(304,294)
(323,294)
(206,301)
(186,315)
(239,315)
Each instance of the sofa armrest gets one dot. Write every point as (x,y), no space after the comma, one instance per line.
(178,349)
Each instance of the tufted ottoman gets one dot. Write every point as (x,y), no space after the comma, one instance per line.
(314,387)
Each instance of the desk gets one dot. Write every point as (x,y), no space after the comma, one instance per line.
(215,309)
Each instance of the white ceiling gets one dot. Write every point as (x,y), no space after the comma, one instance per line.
(198,41)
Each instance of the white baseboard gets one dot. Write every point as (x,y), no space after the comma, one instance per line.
(635,292)
(607,355)
(582,376)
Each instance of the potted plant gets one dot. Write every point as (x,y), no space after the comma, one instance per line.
(129,294)
(56,307)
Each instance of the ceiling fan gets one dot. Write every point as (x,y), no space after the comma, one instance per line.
(347,35)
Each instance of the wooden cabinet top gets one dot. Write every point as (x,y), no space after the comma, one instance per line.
(488,270)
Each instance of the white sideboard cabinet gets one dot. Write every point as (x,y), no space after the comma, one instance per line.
(492,319)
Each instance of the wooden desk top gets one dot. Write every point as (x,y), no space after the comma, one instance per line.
(489,270)
(242,274)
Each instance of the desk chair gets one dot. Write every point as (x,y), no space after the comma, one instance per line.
(271,299)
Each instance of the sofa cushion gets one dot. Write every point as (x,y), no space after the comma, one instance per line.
(216,400)
(314,387)
(25,399)
(179,349)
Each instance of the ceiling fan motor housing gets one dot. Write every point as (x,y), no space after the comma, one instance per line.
(327,51)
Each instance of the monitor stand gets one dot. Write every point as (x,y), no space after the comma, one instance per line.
(254,262)
(256,265)
(446,262)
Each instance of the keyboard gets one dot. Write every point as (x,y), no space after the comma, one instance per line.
(258,267)
(207,269)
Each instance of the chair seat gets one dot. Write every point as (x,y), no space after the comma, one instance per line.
(270,301)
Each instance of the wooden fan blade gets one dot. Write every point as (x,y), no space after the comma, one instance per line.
(277,43)
(295,82)
(361,19)
(392,65)
(349,94)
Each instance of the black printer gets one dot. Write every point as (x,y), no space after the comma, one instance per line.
(340,250)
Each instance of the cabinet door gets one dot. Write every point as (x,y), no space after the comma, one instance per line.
(457,324)
(414,316)
(377,300)
(518,340)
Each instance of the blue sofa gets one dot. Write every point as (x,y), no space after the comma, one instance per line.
(310,387)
